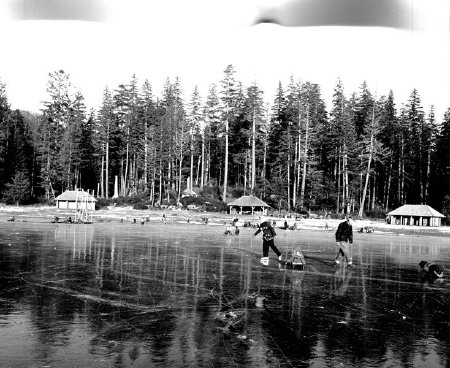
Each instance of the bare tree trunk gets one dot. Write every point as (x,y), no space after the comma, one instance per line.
(388,186)
(245,174)
(160,172)
(299,169)
(202,176)
(369,161)
(295,184)
(102,174)
(363,199)
(125,178)
(374,191)
(289,171)
(427,178)
(225,177)
(146,148)
(338,181)
(305,158)
(107,167)
(191,176)
(198,170)
(347,194)
(263,172)
(253,179)
(402,173)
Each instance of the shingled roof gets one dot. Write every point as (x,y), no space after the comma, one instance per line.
(248,201)
(418,210)
(72,195)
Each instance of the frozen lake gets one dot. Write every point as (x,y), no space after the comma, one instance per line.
(185,295)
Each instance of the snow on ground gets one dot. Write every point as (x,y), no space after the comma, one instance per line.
(128,214)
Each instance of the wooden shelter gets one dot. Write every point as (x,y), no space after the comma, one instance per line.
(76,200)
(415,214)
(248,205)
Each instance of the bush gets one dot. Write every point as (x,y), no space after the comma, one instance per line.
(140,206)
(215,205)
(101,202)
(186,201)
(377,212)
(209,193)
(237,192)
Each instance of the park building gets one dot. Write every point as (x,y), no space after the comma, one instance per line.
(76,200)
(248,205)
(415,214)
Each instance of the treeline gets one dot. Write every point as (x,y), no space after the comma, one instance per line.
(366,154)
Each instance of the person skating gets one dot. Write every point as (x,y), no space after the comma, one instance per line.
(269,235)
(344,241)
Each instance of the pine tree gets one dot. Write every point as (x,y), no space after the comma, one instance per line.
(343,136)
(109,141)
(440,168)
(5,174)
(211,143)
(148,116)
(17,152)
(228,94)
(389,138)
(313,118)
(56,129)
(416,152)
(195,125)
(371,150)
(18,190)
(364,107)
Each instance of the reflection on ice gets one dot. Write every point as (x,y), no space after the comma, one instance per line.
(119,295)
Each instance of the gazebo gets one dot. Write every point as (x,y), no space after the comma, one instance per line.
(415,214)
(76,200)
(248,205)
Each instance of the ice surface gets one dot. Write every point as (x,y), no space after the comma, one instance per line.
(185,295)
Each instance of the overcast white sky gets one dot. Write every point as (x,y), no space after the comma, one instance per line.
(196,39)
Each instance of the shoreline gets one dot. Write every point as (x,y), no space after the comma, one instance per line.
(46,214)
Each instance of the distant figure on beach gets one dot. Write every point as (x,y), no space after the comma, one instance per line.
(269,235)
(344,241)
(431,271)
(163,220)
(229,230)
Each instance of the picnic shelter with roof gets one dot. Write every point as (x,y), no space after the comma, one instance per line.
(415,214)
(250,205)
(76,200)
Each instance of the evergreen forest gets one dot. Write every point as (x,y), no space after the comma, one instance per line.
(365,154)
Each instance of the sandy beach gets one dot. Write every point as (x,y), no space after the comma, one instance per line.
(47,214)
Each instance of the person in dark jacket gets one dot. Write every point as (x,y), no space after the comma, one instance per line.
(344,241)
(269,235)
(431,271)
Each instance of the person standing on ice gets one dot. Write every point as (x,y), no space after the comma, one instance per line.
(269,235)
(344,241)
